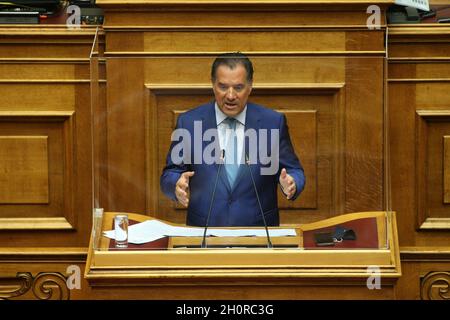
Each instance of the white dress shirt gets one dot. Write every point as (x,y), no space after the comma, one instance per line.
(225,132)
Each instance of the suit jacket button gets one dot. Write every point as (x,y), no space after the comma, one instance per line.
(230,201)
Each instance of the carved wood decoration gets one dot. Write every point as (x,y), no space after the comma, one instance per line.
(14,287)
(44,286)
(435,286)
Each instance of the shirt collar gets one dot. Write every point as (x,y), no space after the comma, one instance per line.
(220,116)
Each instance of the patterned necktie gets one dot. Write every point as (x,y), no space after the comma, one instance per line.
(231,155)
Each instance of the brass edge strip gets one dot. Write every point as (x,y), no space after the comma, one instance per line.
(250,53)
(171,86)
(245,28)
(420,80)
(49,223)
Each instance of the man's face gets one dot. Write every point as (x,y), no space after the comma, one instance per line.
(231,89)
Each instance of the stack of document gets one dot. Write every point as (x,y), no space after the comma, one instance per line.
(152,230)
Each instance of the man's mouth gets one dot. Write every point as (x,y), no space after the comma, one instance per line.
(230,105)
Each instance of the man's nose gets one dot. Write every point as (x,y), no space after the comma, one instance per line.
(231,94)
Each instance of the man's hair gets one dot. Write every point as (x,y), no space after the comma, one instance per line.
(231,60)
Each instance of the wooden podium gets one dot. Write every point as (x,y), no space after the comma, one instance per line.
(293,260)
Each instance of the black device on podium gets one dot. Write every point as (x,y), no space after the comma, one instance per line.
(30,11)
(26,11)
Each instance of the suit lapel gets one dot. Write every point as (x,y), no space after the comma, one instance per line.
(208,120)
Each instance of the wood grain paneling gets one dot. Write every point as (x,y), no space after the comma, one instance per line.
(45,42)
(364,152)
(427,42)
(303,131)
(37,158)
(436,70)
(126,146)
(279,71)
(418,84)
(413,179)
(44,84)
(243,41)
(37,96)
(431,130)
(38,71)
(446,168)
(420,50)
(24,163)
(433,95)
(402,105)
(49,50)
(238,18)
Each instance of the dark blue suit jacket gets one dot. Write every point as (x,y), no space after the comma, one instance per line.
(235,206)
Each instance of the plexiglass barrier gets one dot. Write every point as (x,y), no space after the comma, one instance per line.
(148,130)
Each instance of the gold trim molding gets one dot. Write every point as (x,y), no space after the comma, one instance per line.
(58,223)
(136,54)
(236,2)
(435,223)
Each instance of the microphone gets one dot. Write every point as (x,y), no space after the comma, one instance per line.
(222,156)
(269,243)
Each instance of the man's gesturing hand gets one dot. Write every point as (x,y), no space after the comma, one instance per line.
(287,184)
(182,188)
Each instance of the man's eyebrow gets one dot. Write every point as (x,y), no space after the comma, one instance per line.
(234,85)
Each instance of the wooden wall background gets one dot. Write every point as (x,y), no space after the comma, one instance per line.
(317,63)
(419,104)
(45,143)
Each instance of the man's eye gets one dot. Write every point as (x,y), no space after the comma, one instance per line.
(222,87)
(238,88)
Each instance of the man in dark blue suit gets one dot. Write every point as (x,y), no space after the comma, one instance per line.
(232,124)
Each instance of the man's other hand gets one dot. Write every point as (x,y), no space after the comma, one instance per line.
(182,188)
(287,184)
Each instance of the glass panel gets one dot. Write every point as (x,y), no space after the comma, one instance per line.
(96,112)
(336,114)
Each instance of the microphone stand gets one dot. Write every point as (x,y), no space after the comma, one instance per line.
(212,198)
(269,243)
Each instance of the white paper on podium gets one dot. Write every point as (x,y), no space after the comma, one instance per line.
(152,230)
(418,4)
